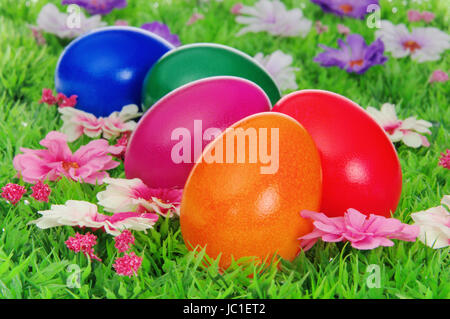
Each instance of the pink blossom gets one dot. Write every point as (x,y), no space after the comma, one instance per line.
(123,143)
(78,123)
(128,265)
(121,23)
(428,16)
(342,29)
(88,164)
(320,28)
(13,192)
(236,9)
(124,241)
(363,232)
(47,97)
(41,192)
(119,122)
(37,35)
(194,18)
(84,244)
(414,16)
(438,76)
(444,161)
(64,101)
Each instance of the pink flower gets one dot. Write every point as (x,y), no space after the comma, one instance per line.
(47,97)
(414,16)
(13,193)
(194,18)
(78,123)
(236,9)
(84,214)
(132,195)
(84,244)
(363,232)
(428,16)
(41,192)
(37,35)
(128,265)
(121,23)
(64,101)
(88,164)
(444,161)
(342,29)
(124,241)
(438,76)
(320,28)
(123,143)
(119,122)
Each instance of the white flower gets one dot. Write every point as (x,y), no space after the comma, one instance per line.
(272,17)
(51,20)
(278,64)
(434,225)
(406,130)
(77,122)
(423,44)
(118,122)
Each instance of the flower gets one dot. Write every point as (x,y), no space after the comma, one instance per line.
(37,35)
(351,8)
(342,29)
(163,31)
(438,76)
(77,122)
(88,164)
(132,195)
(414,16)
(272,17)
(64,101)
(119,122)
(320,28)
(434,225)
(13,192)
(47,97)
(353,56)
(122,142)
(444,161)
(98,6)
(52,21)
(236,9)
(41,192)
(124,241)
(85,214)
(194,18)
(128,265)
(363,232)
(84,244)
(121,23)
(278,64)
(397,130)
(422,44)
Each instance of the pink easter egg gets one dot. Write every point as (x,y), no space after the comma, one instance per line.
(170,137)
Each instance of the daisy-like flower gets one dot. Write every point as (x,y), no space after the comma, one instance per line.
(438,76)
(84,214)
(351,8)
(83,243)
(274,18)
(163,31)
(13,193)
(408,131)
(88,164)
(422,44)
(98,6)
(132,195)
(41,192)
(434,225)
(353,55)
(124,241)
(444,160)
(194,18)
(363,232)
(52,21)
(120,122)
(128,265)
(278,64)
(78,123)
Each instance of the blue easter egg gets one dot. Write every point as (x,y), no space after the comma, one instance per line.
(106,68)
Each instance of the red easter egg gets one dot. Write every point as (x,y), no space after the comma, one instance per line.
(360,166)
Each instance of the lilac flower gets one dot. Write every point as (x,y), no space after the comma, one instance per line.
(352,8)
(353,56)
(98,6)
(163,31)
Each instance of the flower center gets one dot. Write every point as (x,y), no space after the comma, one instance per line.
(69,165)
(411,45)
(356,62)
(346,8)
(392,127)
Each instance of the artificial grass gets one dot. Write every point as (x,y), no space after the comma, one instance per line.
(35,263)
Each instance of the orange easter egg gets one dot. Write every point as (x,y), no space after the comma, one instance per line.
(244,195)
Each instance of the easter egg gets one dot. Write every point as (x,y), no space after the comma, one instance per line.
(244,196)
(106,67)
(171,135)
(361,169)
(201,60)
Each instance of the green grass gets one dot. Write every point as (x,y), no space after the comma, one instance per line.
(35,263)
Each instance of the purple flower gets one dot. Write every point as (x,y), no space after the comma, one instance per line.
(352,8)
(98,6)
(354,55)
(163,31)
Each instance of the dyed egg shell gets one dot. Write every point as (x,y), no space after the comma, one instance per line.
(170,137)
(201,60)
(244,209)
(361,169)
(106,67)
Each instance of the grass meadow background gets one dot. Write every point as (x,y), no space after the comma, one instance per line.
(35,263)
